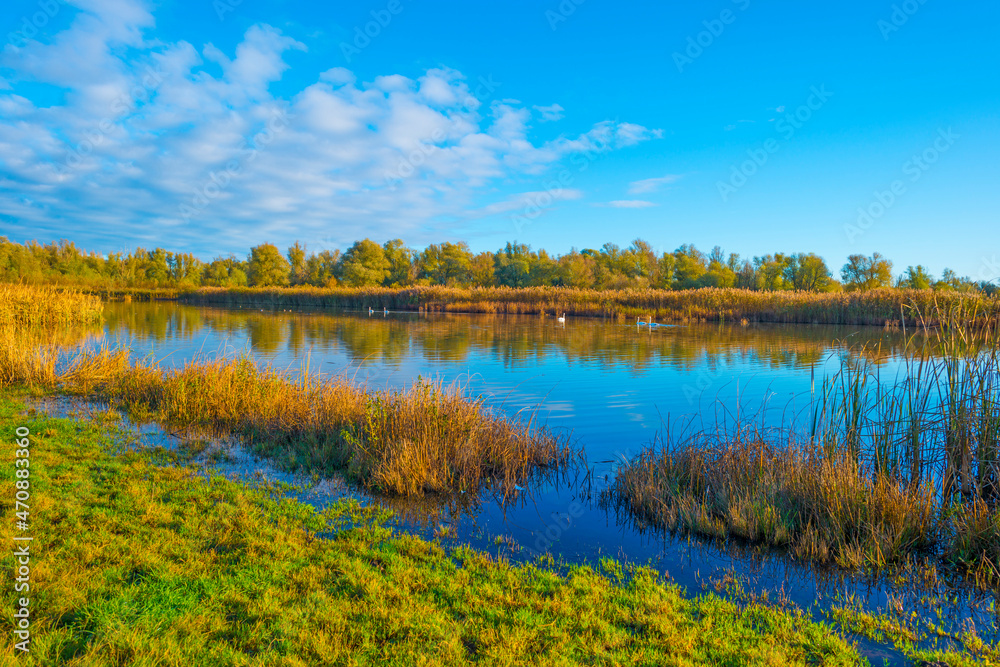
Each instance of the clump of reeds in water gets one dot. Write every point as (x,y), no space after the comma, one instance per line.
(873,307)
(889,469)
(34,305)
(424,439)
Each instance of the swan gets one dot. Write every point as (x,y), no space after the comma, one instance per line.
(561,319)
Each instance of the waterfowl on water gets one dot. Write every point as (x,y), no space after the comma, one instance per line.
(561,319)
(370,310)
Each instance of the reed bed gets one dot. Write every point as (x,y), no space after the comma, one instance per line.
(888,470)
(880,307)
(33,305)
(428,439)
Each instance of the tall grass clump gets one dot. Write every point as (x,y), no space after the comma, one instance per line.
(34,305)
(879,307)
(771,490)
(425,439)
(891,467)
(27,358)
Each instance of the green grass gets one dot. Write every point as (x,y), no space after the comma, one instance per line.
(146,564)
(903,634)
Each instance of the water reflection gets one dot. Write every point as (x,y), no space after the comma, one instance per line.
(515,341)
(612,384)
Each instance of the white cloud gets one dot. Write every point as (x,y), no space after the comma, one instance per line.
(629,203)
(526,200)
(550,113)
(188,147)
(651,184)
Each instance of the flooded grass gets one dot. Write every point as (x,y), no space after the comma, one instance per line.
(889,471)
(428,438)
(145,563)
(881,307)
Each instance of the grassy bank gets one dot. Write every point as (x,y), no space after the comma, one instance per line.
(26,306)
(890,471)
(141,564)
(426,439)
(876,307)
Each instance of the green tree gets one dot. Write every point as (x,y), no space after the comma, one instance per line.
(364,265)
(513,265)
(809,272)
(866,273)
(719,273)
(543,270)
(917,277)
(445,264)
(225,272)
(481,269)
(577,270)
(665,266)
(157,271)
(297,262)
(321,268)
(266,267)
(689,266)
(400,260)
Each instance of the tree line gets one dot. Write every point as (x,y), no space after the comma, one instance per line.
(392,264)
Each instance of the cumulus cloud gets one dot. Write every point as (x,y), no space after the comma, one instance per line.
(651,184)
(187,145)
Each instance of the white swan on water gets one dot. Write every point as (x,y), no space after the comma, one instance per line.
(561,319)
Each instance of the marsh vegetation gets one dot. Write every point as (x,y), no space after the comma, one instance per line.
(890,468)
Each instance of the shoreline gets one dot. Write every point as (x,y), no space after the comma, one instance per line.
(888,307)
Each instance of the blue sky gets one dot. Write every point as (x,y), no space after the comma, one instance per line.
(214,125)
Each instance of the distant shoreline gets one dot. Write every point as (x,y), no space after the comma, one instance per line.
(887,307)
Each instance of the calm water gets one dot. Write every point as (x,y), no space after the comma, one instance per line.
(613,386)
